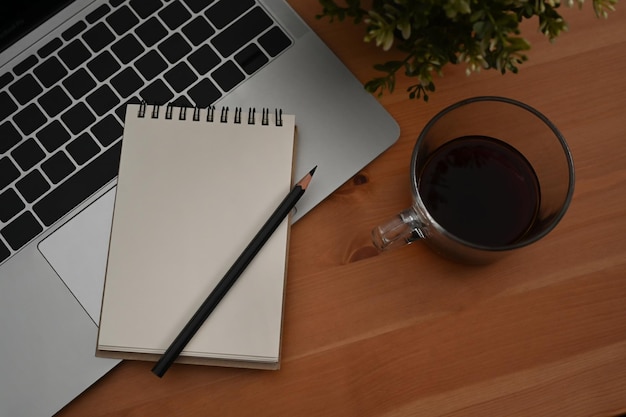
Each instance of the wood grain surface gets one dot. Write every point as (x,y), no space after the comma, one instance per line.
(406,333)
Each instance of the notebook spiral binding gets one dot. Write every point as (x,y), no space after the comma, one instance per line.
(211,114)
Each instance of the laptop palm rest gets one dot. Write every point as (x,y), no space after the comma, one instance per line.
(78,250)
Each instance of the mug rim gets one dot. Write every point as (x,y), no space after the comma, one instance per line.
(417,200)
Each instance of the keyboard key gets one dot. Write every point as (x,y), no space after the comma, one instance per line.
(228,75)
(29,119)
(197,5)
(102,100)
(225,11)
(151,64)
(53,136)
(174,48)
(58,167)
(98,37)
(7,105)
(4,251)
(79,83)
(242,31)
(74,54)
(127,48)
(10,205)
(116,3)
(156,93)
(145,8)
(78,118)
(21,230)
(151,32)
(28,154)
(107,130)
(50,47)
(25,65)
(32,186)
(204,59)
(204,93)
(174,15)
(198,30)
(98,14)
(103,66)
(50,71)
(122,20)
(180,77)
(25,89)
(251,58)
(126,82)
(5,79)
(83,148)
(79,186)
(9,136)
(55,101)
(8,172)
(74,30)
(274,41)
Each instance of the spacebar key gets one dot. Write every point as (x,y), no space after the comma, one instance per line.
(80,186)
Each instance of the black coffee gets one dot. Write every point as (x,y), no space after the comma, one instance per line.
(481,190)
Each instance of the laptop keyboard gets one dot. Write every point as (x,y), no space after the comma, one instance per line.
(62,109)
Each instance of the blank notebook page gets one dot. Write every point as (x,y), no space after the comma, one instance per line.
(190,197)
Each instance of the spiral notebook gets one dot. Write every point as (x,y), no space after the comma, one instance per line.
(195,185)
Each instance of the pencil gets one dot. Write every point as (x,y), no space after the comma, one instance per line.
(220,290)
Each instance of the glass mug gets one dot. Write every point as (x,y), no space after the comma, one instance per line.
(488,175)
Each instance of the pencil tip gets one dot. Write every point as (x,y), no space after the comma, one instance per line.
(304,182)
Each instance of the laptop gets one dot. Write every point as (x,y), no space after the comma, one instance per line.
(67,71)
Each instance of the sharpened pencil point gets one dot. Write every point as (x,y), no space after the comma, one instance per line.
(304,182)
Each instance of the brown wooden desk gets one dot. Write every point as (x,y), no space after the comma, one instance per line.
(540,333)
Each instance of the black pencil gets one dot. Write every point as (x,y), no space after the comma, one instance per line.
(231,276)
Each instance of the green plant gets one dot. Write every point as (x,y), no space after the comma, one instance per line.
(482,34)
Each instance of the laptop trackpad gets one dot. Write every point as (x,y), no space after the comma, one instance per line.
(78,252)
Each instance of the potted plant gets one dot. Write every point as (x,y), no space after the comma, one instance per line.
(481,34)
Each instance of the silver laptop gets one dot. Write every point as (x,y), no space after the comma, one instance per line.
(65,78)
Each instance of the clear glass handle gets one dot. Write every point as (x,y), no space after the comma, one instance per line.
(403,229)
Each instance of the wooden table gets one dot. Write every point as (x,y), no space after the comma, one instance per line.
(405,333)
